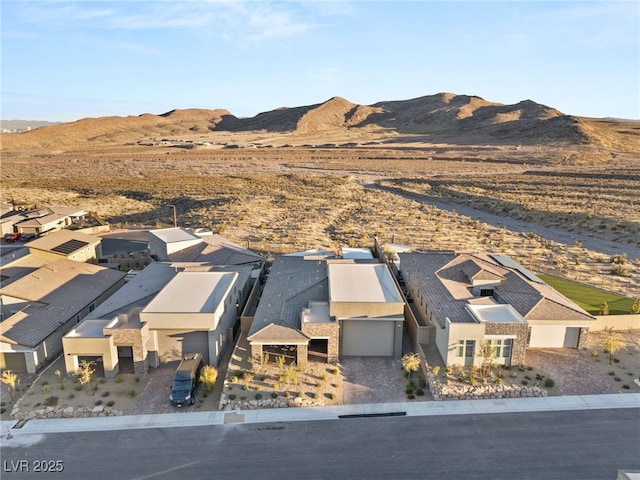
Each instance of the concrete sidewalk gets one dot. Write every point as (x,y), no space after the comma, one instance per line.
(461,407)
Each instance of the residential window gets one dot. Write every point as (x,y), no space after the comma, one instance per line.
(92,307)
(502,347)
(465,348)
(486,292)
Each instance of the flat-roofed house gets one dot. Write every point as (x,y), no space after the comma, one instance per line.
(327,308)
(45,303)
(164,312)
(474,298)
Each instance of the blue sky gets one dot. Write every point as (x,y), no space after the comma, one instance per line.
(63,61)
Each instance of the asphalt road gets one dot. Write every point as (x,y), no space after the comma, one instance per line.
(563,445)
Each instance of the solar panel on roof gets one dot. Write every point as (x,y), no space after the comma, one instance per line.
(508,262)
(69,246)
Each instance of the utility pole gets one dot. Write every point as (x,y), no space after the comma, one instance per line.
(175,216)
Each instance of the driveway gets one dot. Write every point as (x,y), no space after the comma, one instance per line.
(377,379)
(154,398)
(573,373)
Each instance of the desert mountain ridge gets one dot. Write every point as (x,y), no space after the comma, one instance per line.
(439,118)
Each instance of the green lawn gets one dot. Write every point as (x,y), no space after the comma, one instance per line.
(589,298)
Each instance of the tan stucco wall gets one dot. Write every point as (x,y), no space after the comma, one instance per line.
(365,309)
(90,346)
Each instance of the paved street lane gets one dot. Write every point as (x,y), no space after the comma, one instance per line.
(539,445)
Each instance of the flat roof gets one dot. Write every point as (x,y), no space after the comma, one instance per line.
(89,329)
(368,282)
(193,292)
(174,234)
(500,313)
(318,312)
(359,253)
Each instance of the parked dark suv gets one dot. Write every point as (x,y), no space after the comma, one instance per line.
(27,237)
(185,380)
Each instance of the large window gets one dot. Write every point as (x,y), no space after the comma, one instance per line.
(502,347)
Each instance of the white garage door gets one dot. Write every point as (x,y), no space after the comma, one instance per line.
(554,336)
(367,338)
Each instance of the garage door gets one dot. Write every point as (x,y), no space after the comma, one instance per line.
(554,336)
(367,338)
(173,344)
(15,362)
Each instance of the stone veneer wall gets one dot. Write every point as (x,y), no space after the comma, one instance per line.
(330,330)
(135,338)
(584,336)
(520,330)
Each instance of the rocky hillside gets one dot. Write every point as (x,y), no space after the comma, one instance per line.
(445,117)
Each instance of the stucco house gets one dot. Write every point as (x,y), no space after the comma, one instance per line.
(474,298)
(41,220)
(165,311)
(69,244)
(43,302)
(325,307)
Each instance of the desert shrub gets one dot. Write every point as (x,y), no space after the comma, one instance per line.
(612,373)
(104,394)
(527,377)
(51,401)
(78,388)
(625,386)
(119,379)
(436,370)
(138,379)
(274,395)
(617,379)
(245,387)
(334,371)
(594,353)
(549,383)
(299,395)
(420,392)
(2,410)
(473,380)
(314,395)
(234,379)
(539,376)
(258,396)
(102,381)
(325,377)
(70,396)
(411,396)
(332,396)
(524,382)
(208,377)
(521,368)
(232,397)
(98,403)
(46,389)
(132,393)
(408,390)
(498,381)
(110,403)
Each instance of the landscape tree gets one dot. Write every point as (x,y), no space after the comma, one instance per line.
(604,308)
(611,344)
(410,363)
(486,352)
(11,380)
(208,377)
(84,374)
